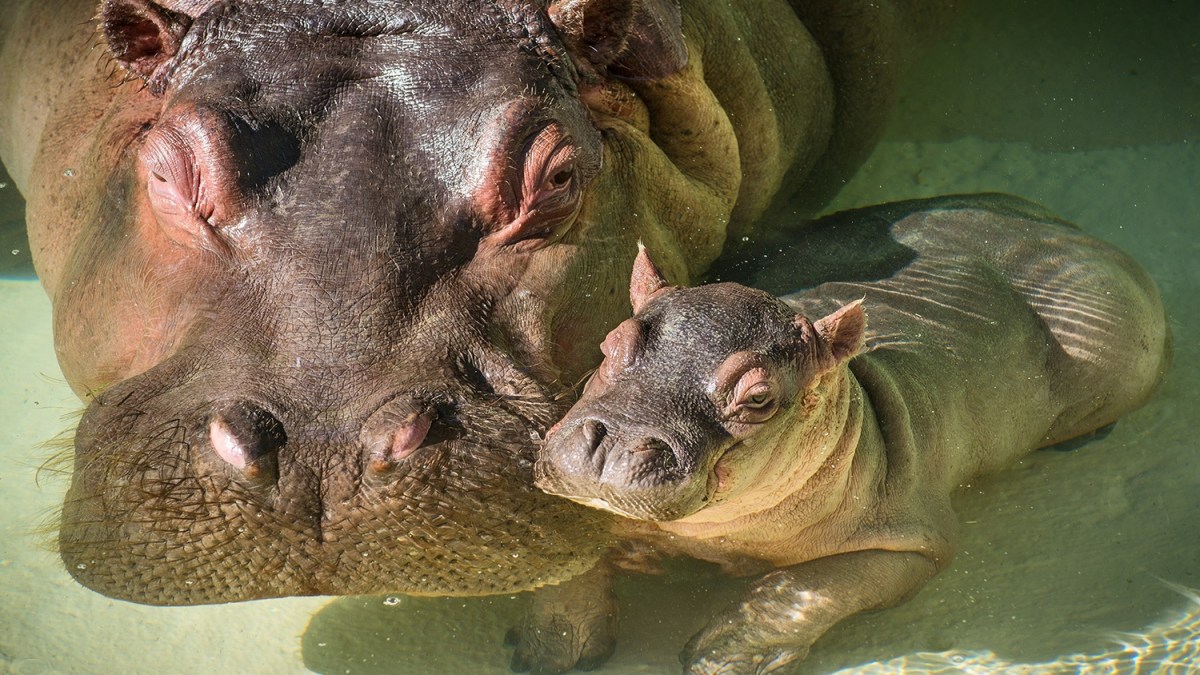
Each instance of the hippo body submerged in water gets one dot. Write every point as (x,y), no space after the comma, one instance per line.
(320,269)
(732,428)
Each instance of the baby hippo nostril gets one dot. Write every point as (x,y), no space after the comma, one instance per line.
(656,453)
(247,438)
(593,432)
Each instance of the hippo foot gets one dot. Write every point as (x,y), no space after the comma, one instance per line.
(572,625)
(723,649)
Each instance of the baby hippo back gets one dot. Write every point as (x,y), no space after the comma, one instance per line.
(986,314)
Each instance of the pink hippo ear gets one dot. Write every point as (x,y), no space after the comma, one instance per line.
(634,39)
(843,330)
(646,282)
(144,36)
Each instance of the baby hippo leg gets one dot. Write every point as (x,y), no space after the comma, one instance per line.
(569,625)
(785,611)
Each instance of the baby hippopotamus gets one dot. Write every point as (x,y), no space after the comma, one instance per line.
(820,435)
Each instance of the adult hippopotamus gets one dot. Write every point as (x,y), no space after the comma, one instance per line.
(320,269)
(740,431)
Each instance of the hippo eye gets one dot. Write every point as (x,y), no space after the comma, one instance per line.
(754,398)
(549,189)
(560,179)
(549,175)
(758,400)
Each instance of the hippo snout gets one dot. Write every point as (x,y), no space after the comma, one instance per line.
(591,461)
(294,489)
(589,451)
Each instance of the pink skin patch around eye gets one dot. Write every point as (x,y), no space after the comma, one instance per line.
(533,190)
(172,175)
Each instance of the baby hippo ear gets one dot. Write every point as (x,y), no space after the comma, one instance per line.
(646,282)
(143,35)
(843,330)
(635,39)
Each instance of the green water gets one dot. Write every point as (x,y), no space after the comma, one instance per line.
(1091,109)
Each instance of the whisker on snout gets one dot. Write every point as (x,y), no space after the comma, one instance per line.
(61,457)
(573,390)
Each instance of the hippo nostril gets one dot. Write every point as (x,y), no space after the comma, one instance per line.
(247,438)
(402,426)
(410,434)
(656,453)
(593,432)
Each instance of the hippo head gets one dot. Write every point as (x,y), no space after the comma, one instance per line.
(351,255)
(694,391)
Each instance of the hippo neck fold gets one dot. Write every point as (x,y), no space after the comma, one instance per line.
(811,446)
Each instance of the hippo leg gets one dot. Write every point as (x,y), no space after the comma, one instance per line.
(784,612)
(569,625)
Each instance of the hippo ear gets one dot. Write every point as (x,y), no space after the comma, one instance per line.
(634,39)
(646,282)
(142,35)
(843,330)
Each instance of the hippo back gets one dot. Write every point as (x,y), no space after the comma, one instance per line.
(982,308)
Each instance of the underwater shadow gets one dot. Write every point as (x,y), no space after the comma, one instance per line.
(396,634)
(850,246)
(16,262)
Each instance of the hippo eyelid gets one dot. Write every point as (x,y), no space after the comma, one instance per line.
(549,183)
(726,376)
(622,347)
(549,152)
(755,397)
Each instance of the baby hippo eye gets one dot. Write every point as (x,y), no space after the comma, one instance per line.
(758,399)
(754,398)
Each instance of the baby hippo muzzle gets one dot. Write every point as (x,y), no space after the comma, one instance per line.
(596,461)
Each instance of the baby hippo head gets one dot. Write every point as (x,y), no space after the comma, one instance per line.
(681,413)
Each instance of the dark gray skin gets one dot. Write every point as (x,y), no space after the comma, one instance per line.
(321,270)
(728,426)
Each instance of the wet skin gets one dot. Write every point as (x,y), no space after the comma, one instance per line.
(324,272)
(729,426)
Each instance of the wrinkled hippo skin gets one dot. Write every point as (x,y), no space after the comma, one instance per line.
(730,427)
(323,270)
